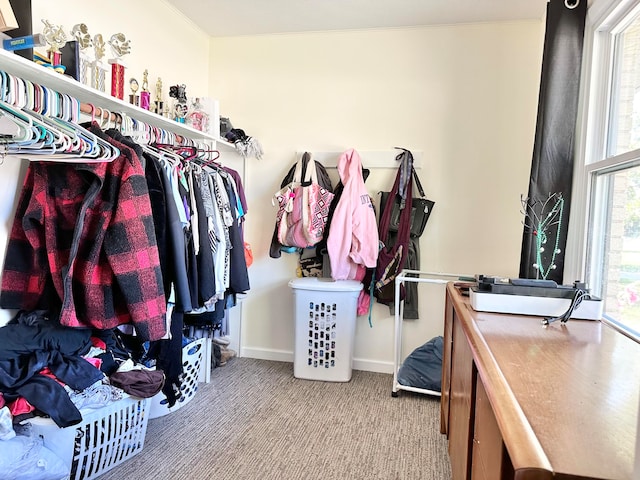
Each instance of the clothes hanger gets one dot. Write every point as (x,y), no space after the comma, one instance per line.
(10,131)
(10,90)
(211,161)
(186,152)
(31,133)
(47,101)
(76,140)
(75,110)
(53,147)
(40,123)
(93,112)
(83,142)
(104,151)
(169,157)
(37,123)
(56,144)
(66,130)
(135,129)
(117,120)
(104,120)
(3,85)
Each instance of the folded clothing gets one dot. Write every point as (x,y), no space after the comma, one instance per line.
(139,383)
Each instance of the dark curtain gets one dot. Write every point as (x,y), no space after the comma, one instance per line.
(553,150)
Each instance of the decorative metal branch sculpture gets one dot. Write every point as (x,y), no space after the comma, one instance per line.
(544,220)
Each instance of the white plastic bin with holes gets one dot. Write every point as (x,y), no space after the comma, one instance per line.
(325,327)
(104,439)
(192,358)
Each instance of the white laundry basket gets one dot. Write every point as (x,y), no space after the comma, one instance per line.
(192,357)
(325,325)
(105,438)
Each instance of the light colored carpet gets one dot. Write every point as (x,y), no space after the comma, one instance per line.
(256,421)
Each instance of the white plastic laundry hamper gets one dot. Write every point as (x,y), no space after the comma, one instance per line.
(325,326)
(105,438)
(192,357)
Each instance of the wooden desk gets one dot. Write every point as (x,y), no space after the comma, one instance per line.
(526,402)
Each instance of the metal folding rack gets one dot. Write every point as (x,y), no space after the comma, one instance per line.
(434,277)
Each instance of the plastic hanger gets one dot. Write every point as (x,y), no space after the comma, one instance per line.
(212,160)
(40,124)
(164,157)
(55,139)
(8,128)
(10,90)
(30,133)
(3,86)
(186,152)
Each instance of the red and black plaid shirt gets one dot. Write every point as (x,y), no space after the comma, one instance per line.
(83,239)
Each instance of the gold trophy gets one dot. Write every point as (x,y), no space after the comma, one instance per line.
(145,95)
(159,109)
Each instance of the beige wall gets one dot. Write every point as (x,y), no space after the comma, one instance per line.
(464,95)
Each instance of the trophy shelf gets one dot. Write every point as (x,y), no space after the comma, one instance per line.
(27,70)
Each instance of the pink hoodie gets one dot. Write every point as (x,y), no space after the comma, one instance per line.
(353,236)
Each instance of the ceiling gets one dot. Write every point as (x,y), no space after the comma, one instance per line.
(221,18)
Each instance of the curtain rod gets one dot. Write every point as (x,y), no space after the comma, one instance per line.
(566,4)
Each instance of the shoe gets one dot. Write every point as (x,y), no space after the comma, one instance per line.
(226,355)
(216,354)
(223,341)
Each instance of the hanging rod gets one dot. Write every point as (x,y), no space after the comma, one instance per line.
(116,117)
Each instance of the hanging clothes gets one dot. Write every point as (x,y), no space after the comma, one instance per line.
(168,353)
(353,242)
(204,255)
(120,244)
(239,189)
(238,275)
(176,245)
(157,199)
(223,221)
(83,242)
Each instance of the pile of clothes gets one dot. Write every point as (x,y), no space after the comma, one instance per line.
(47,369)
(246,145)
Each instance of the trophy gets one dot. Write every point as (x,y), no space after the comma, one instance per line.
(145,95)
(99,70)
(159,109)
(133,85)
(81,33)
(56,39)
(120,46)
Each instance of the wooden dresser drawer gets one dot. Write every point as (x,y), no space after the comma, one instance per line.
(489,456)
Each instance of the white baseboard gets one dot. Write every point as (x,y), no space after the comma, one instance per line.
(267,354)
(286,356)
(372,366)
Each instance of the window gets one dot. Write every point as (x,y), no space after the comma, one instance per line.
(612,172)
